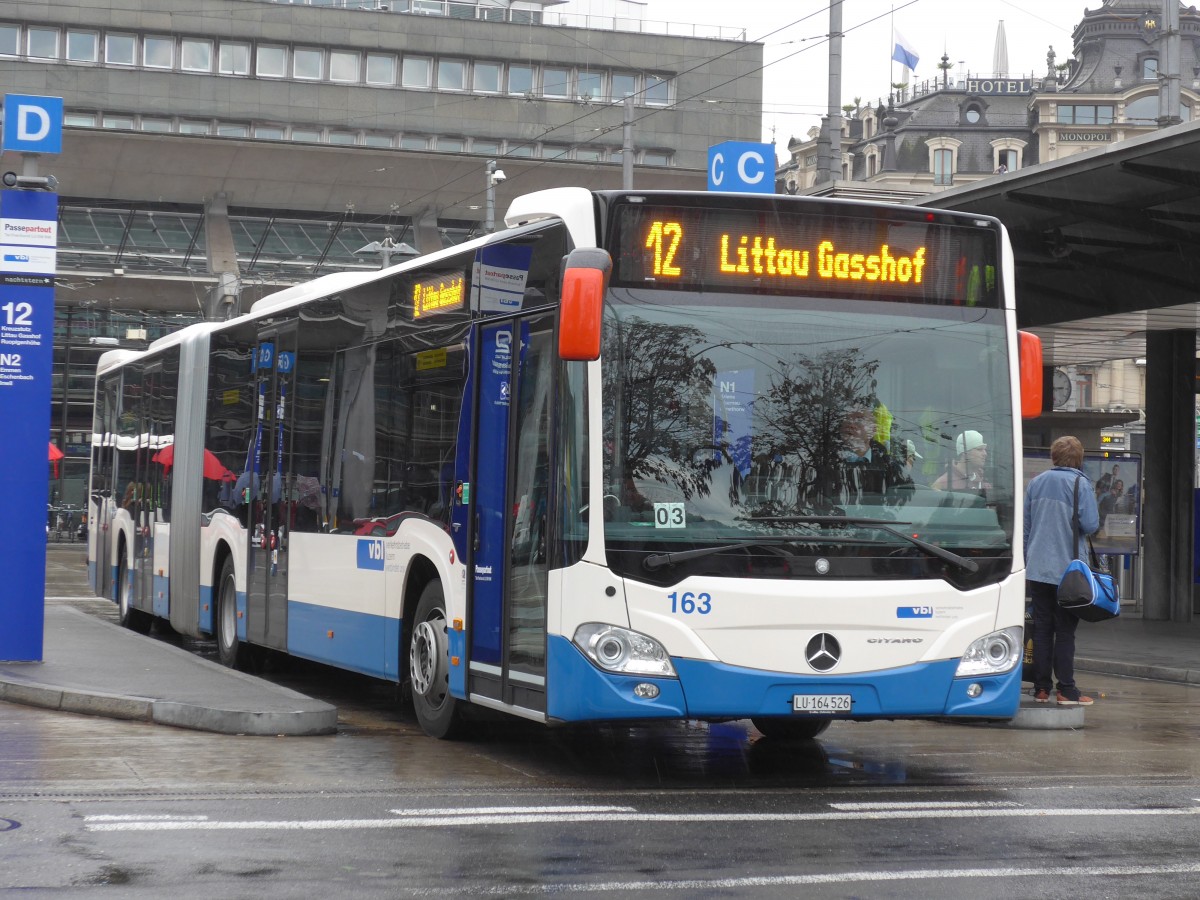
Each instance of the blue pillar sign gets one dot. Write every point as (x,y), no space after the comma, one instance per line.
(28,241)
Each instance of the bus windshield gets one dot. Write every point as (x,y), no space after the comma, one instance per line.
(781,432)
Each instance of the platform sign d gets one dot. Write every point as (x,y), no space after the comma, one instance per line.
(33,124)
(742,167)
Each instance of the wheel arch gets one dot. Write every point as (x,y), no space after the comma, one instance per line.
(421,571)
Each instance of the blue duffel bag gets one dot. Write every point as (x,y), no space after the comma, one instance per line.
(1091,595)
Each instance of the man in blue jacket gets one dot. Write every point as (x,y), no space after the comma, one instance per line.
(1051,543)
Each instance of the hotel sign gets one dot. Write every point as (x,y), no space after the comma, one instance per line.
(999,86)
(1084,137)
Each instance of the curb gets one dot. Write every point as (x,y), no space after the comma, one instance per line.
(1139,670)
(297,723)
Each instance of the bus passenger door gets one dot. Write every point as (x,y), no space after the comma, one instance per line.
(511,489)
(266,521)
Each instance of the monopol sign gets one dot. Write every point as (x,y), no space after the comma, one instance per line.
(27,268)
(742,167)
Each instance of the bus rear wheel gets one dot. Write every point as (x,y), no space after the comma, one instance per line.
(429,667)
(783,728)
(133,619)
(230,650)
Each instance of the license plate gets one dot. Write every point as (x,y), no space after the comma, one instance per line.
(821,703)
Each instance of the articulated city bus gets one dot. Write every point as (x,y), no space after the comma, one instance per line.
(639,455)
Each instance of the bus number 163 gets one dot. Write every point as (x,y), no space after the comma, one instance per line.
(688,602)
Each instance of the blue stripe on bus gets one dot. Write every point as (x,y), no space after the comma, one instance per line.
(205,619)
(577,690)
(360,642)
(160,601)
(457,641)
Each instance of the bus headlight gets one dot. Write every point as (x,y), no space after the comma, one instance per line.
(617,649)
(995,654)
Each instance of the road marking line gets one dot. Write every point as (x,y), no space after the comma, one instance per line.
(442,820)
(146,818)
(932,804)
(501,810)
(629,887)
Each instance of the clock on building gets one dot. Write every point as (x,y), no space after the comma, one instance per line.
(1062,388)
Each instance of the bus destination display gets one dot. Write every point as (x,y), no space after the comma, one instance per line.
(437,295)
(784,252)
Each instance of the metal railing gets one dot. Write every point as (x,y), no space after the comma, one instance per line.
(461,9)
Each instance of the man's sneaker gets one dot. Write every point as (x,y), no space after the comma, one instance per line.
(1081,700)
(1041,697)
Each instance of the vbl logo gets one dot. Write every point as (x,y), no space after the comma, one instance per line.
(914,612)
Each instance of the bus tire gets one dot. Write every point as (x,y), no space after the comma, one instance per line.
(230,651)
(133,619)
(783,728)
(438,712)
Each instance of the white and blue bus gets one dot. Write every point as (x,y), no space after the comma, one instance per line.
(602,465)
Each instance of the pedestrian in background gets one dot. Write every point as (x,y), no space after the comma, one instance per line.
(1051,543)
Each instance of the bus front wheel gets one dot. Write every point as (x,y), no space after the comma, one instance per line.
(133,619)
(230,650)
(429,666)
(783,728)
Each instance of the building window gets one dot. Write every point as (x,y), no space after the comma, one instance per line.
(42,43)
(83,46)
(230,130)
(381,69)
(656,158)
(520,80)
(234,58)
(157,125)
(415,72)
(125,122)
(80,120)
(623,85)
(590,85)
(450,144)
(307,135)
(346,138)
(268,132)
(555,151)
(657,91)
(485,78)
(1008,160)
(120,49)
(451,75)
(973,114)
(943,167)
(556,82)
(271,62)
(10,40)
(194,127)
(1150,68)
(377,140)
(306,64)
(522,150)
(343,66)
(1085,114)
(158,52)
(195,55)
(492,148)
(589,154)
(414,142)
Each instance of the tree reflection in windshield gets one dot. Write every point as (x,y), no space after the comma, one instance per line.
(790,448)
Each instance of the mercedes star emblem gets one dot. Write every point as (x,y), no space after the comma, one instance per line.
(823,652)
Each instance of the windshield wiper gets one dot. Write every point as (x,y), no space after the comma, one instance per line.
(658,560)
(967,565)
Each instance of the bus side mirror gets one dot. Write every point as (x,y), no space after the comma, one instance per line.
(1030,354)
(585,279)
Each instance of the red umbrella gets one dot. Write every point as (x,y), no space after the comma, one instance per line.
(55,456)
(213,467)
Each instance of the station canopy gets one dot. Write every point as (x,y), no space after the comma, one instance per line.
(1106,243)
